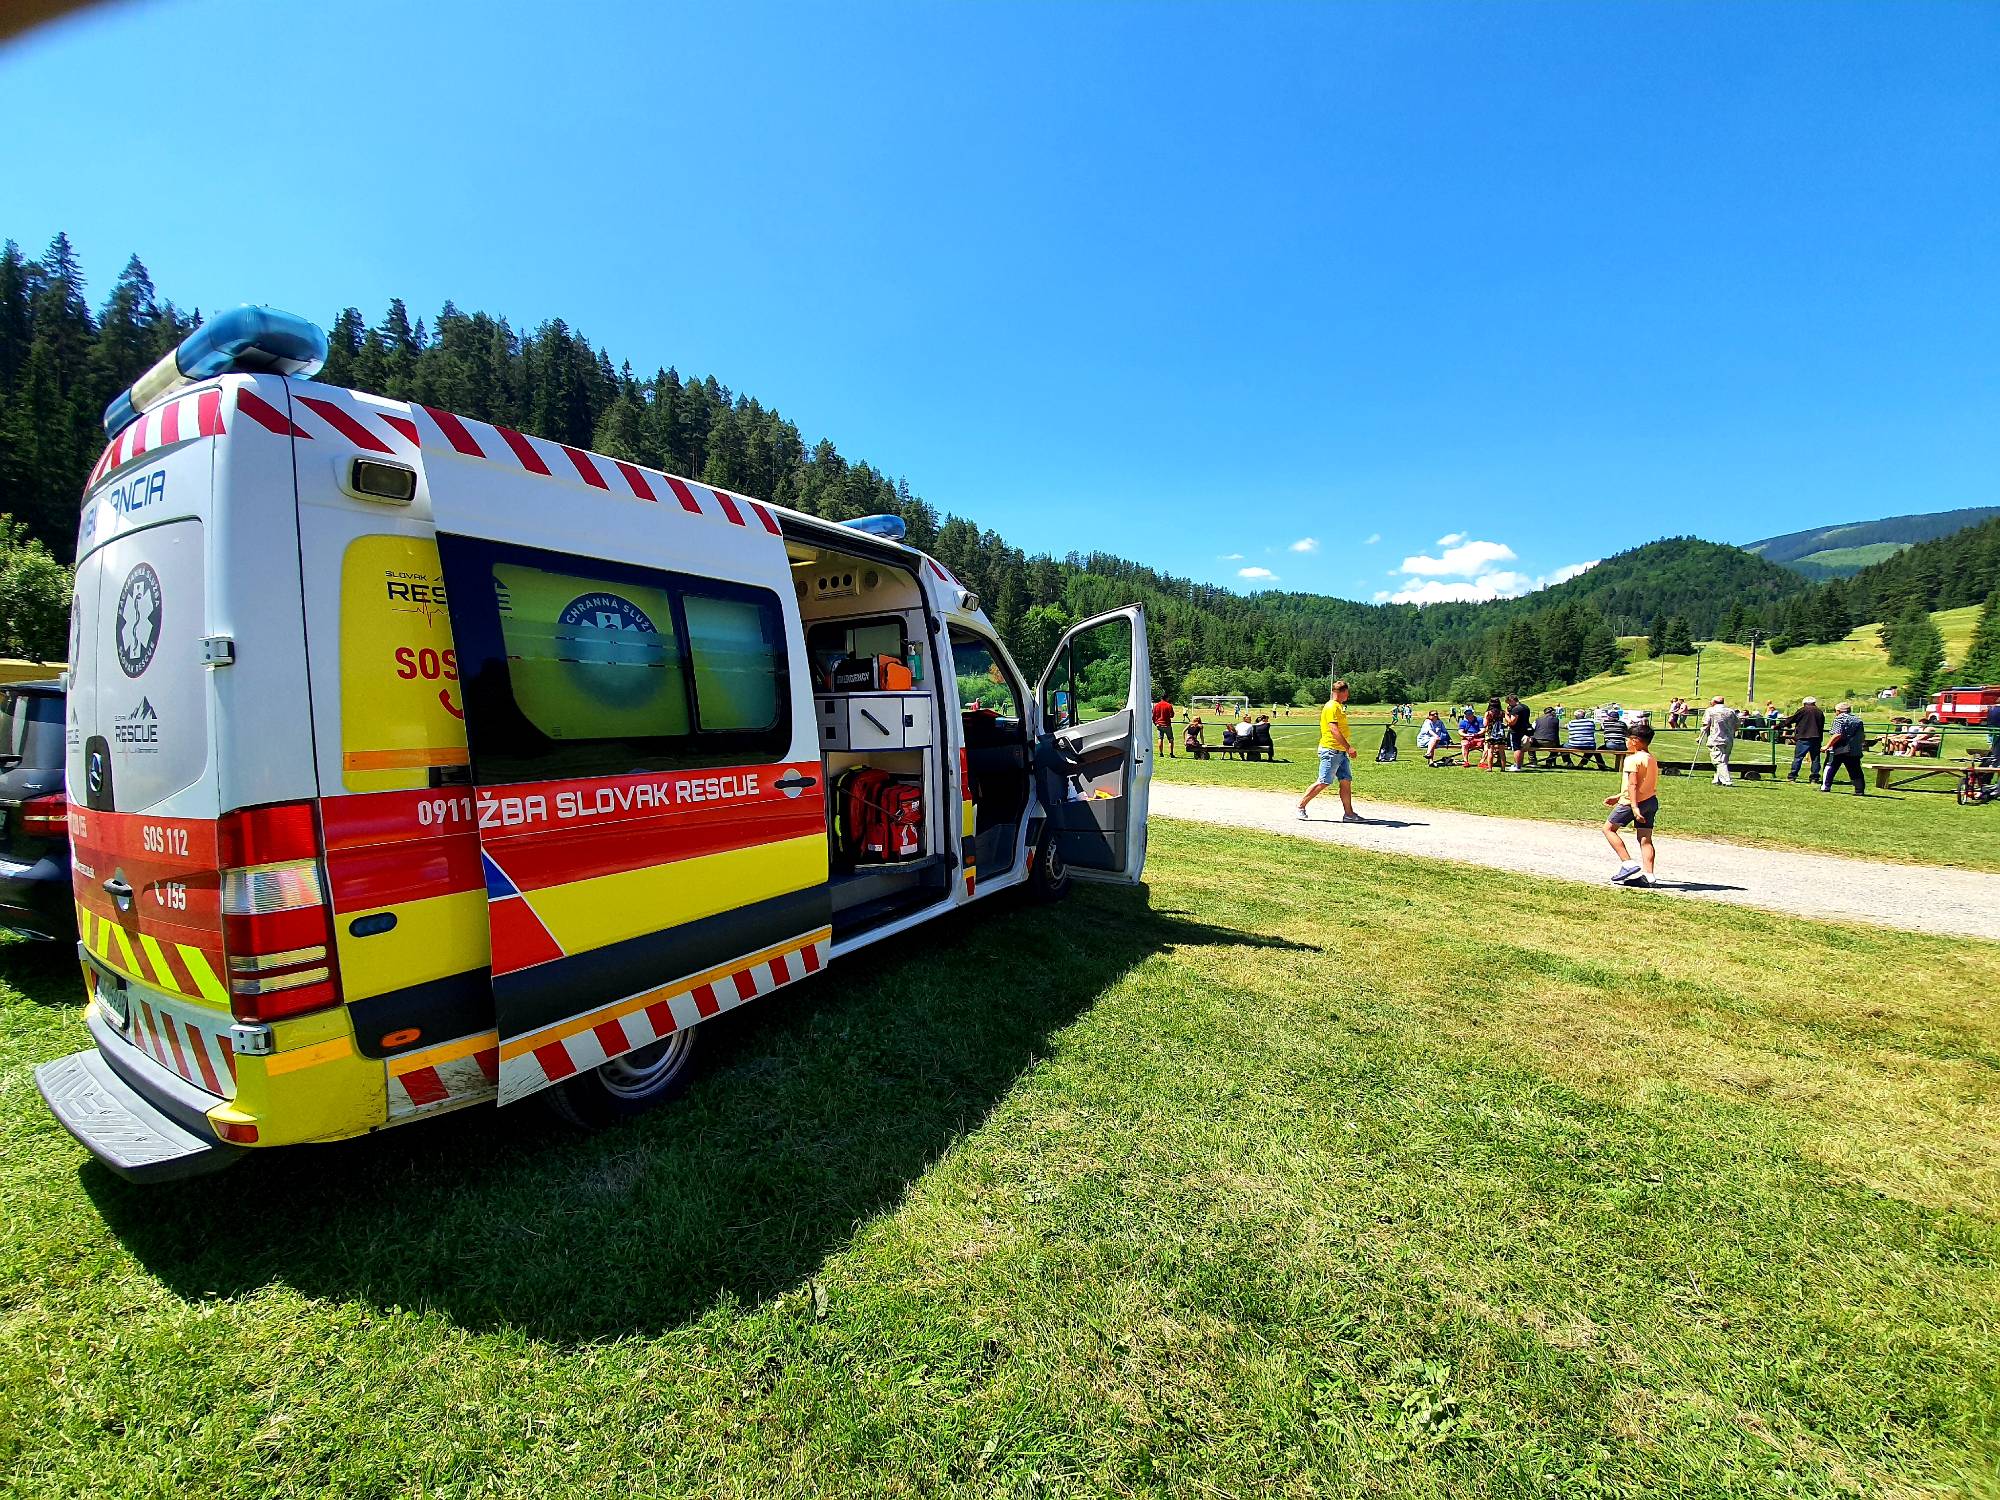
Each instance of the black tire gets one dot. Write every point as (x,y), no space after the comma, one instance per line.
(1048,877)
(629,1085)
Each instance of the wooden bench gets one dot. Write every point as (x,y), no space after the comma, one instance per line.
(1911,774)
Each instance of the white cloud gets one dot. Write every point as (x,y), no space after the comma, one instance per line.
(1373,538)
(1451,541)
(1305,544)
(1229,557)
(1465,559)
(1257,575)
(1484,582)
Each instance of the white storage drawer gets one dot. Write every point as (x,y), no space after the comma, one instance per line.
(875,721)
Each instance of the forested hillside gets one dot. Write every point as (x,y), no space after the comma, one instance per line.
(1842,551)
(60,363)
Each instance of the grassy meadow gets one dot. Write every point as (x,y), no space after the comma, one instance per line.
(1913,826)
(1311,1175)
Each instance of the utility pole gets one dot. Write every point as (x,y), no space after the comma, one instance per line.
(1697,674)
(1751,701)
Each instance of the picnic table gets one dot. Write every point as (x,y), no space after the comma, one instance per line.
(1911,775)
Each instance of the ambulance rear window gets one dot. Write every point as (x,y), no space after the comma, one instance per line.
(579,667)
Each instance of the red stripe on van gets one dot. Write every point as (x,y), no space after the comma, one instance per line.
(406,427)
(661,1015)
(228,1055)
(611,1037)
(210,414)
(729,509)
(637,480)
(344,424)
(208,1078)
(423,1086)
(770,521)
(489,1063)
(266,415)
(174,1041)
(685,495)
(705,1003)
(170,423)
(138,431)
(523,450)
(585,469)
(555,1062)
(778,970)
(746,986)
(809,955)
(455,433)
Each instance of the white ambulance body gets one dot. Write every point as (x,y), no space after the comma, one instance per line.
(418,763)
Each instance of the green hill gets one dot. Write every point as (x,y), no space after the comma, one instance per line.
(1841,551)
(1856,668)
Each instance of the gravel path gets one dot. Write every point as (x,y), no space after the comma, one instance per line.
(1926,898)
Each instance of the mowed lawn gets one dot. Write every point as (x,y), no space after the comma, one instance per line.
(1920,827)
(1313,1174)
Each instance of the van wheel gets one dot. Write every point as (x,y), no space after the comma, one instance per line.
(1049,879)
(628,1085)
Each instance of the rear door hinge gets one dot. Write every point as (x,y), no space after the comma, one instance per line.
(217,650)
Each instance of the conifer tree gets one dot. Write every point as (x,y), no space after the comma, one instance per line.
(1982,656)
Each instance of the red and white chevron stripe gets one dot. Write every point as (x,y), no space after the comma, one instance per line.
(417,1087)
(197,414)
(617,1029)
(194,1044)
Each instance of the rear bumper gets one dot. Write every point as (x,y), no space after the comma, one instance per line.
(128,1131)
(35,899)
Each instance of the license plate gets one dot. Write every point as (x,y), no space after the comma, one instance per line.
(111,994)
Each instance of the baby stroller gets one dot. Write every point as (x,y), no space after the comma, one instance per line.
(1388,750)
(1979,783)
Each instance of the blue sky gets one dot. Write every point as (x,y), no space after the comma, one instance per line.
(1415,300)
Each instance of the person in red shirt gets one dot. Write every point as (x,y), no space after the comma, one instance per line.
(1163,724)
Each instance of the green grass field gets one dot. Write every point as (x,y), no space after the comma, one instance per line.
(1918,827)
(1313,1176)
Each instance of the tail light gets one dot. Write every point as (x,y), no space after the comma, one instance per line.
(277,933)
(46,817)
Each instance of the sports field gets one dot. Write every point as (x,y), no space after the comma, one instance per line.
(1313,1175)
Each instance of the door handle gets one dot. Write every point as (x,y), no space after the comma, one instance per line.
(120,891)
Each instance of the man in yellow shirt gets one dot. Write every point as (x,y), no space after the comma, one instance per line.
(1637,803)
(1336,756)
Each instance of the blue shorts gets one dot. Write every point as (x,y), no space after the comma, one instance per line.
(1644,816)
(1334,766)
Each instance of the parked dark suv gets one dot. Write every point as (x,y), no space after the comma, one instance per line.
(35,897)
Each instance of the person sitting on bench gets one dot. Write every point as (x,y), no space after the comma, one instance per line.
(1581,741)
(1261,747)
(1191,738)
(1433,735)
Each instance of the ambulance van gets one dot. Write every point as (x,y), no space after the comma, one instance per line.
(417,764)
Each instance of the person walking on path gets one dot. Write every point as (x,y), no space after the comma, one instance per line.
(1336,756)
(1718,732)
(1163,724)
(1849,739)
(1808,730)
(1638,805)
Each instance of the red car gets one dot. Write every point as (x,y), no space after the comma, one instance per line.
(1964,705)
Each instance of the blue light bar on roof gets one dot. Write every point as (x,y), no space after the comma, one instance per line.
(255,339)
(889,527)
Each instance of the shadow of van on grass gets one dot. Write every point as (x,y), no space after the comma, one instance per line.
(814,1110)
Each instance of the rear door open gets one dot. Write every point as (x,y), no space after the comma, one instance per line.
(1093,751)
(646,779)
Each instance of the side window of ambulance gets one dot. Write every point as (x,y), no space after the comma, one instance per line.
(578,667)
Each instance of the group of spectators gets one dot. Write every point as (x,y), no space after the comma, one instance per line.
(1508,735)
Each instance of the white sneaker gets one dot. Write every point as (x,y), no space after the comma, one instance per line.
(1304,817)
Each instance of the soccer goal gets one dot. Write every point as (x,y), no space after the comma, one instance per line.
(1218,703)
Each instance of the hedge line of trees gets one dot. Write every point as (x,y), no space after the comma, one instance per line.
(61,362)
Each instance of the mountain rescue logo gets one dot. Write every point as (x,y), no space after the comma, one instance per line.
(139,603)
(138,732)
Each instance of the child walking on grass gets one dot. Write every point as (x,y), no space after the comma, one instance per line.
(1637,804)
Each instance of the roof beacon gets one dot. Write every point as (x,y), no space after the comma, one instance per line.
(259,339)
(882,526)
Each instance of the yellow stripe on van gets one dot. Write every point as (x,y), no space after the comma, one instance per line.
(203,976)
(420,758)
(161,967)
(433,939)
(588,914)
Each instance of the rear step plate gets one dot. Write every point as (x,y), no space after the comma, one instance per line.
(121,1129)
